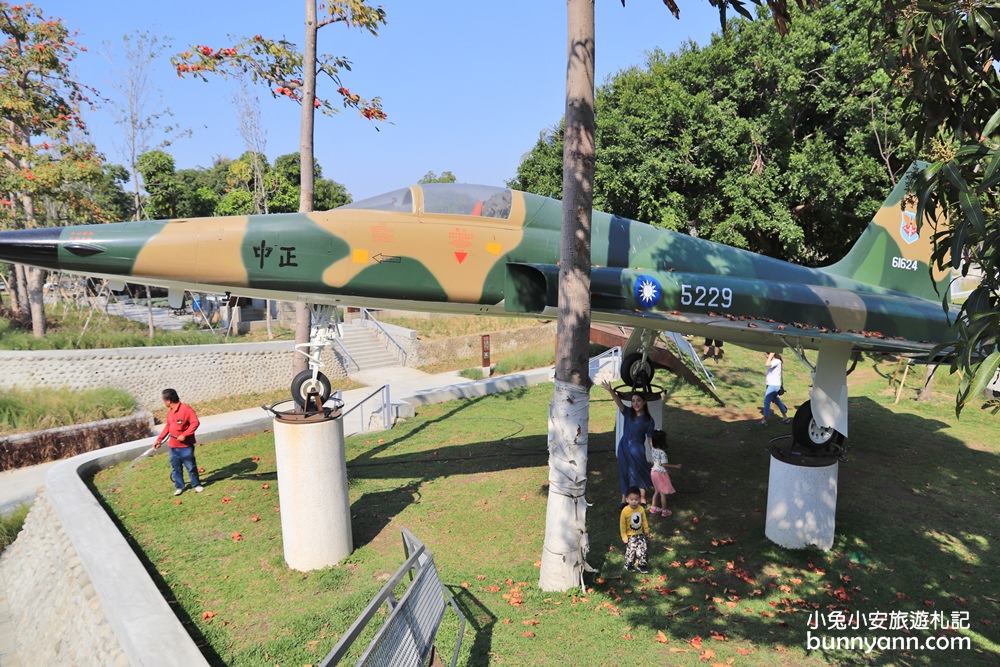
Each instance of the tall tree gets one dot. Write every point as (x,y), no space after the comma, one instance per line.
(290,73)
(946,55)
(254,140)
(162,186)
(566,544)
(39,109)
(784,146)
(139,108)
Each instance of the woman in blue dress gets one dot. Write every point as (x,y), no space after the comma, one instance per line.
(633,469)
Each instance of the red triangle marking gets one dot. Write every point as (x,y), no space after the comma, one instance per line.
(460,256)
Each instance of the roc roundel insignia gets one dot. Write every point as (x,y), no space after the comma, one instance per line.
(908,227)
(647,292)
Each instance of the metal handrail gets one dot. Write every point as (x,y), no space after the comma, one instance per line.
(615,353)
(386,407)
(343,348)
(367,315)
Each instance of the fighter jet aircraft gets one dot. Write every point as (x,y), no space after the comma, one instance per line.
(485,250)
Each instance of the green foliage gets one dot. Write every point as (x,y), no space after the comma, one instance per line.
(225,188)
(103,332)
(43,161)
(236,202)
(782,145)
(160,182)
(431,177)
(11,524)
(945,56)
(42,408)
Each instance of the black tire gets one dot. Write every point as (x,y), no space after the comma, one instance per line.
(635,372)
(303,384)
(807,433)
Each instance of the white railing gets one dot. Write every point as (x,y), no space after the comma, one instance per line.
(366,316)
(385,409)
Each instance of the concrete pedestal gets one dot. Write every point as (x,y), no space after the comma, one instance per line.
(802,503)
(312,490)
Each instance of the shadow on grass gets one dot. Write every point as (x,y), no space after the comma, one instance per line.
(480,620)
(915,533)
(372,512)
(242,469)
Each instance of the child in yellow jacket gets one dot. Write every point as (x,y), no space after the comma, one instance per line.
(634,530)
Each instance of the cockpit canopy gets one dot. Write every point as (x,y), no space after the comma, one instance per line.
(444,199)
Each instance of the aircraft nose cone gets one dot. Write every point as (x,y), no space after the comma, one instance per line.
(38,247)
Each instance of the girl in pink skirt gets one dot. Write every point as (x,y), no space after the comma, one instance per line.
(661,479)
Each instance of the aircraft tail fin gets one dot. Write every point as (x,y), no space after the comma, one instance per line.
(894,251)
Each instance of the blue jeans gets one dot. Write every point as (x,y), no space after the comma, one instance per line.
(771,395)
(183,456)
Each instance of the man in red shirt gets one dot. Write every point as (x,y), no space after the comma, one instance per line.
(181,423)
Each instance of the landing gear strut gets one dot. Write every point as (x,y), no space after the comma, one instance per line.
(325,327)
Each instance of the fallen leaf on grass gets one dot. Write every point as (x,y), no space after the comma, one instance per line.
(532,621)
(465,584)
(493,589)
(226,499)
(660,637)
(528,634)
(177,502)
(695,643)
(264,485)
(743,651)
(205,615)
(256,458)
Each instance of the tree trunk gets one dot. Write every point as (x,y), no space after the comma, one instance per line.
(149,312)
(18,294)
(267,318)
(303,318)
(927,393)
(566,543)
(35,278)
(36,299)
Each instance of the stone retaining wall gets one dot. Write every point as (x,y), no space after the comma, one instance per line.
(197,372)
(55,612)
(206,372)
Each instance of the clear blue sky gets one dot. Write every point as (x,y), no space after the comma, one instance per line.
(468,86)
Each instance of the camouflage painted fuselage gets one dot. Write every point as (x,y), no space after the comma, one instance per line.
(475,249)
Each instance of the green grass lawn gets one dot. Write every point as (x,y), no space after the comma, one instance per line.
(25,410)
(916,532)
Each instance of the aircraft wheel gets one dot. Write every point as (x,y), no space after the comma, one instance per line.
(636,372)
(303,384)
(808,433)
